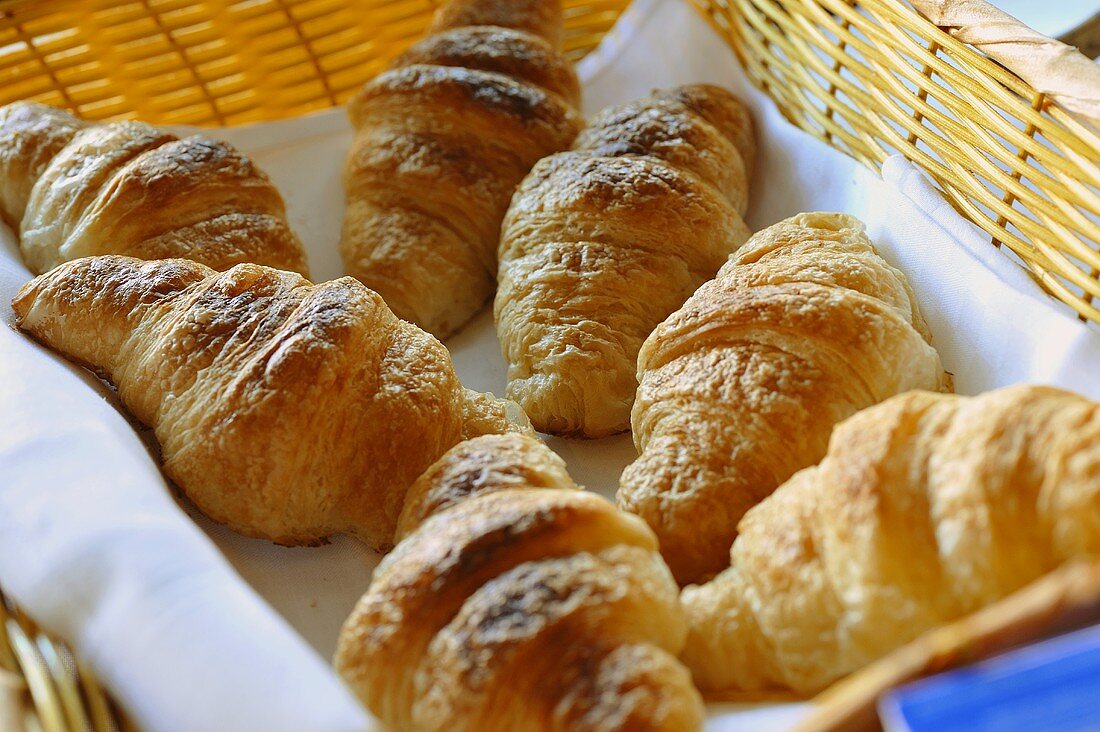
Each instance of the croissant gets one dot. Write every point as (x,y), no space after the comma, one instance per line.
(741,387)
(283,409)
(602,243)
(514,601)
(926,508)
(73,189)
(442,139)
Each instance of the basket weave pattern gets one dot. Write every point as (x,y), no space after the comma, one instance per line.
(873,78)
(42,686)
(219,61)
(870,78)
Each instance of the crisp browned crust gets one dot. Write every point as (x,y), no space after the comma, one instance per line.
(31,135)
(477,466)
(926,508)
(75,190)
(659,130)
(741,386)
(285,410)
(443,138)
(516,601)
(603,242)
(516,54)
(541,18)
(722,110)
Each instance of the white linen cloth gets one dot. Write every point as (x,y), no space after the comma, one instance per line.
(92,544)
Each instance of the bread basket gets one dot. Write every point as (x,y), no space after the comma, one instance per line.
(1014,146)
(43,686)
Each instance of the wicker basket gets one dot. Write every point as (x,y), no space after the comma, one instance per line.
(870,77)
(875,77)
(42,686)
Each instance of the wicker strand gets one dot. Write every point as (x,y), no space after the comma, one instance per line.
(42,683)
(874,78)
(870,78)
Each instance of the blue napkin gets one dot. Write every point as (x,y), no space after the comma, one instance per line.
(1053,685)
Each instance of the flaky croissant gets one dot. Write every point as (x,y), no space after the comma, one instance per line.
(602,243)
(926,508)
(741,387)
(442,139)
(285,410)
(73,189)
(515,601)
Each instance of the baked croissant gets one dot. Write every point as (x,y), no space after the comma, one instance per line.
(73,189)
(741,387)
(514,601)
(442,139)
(926,508)
(285,410)
(602,243)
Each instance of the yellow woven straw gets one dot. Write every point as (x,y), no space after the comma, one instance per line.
(42,686)
(219,61)
(873,78)
(869,78)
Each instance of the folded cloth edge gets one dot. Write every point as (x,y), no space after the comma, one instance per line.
(93,545)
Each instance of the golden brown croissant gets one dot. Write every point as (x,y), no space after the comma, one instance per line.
(603,242)
(504,607)
(740,388)
(73,189)
(927,507)
(443,137)
(285,410)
